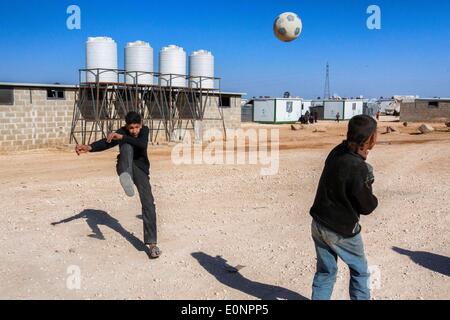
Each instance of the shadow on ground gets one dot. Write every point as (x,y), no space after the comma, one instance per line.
(431,261)
(96,218)
(217,266)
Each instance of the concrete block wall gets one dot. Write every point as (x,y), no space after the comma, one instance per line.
(419,111)
(232,114)
(34,121)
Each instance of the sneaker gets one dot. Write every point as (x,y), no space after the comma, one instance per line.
(127,184)
(154,251)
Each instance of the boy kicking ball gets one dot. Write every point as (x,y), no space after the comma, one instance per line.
(344,193)
(133,167)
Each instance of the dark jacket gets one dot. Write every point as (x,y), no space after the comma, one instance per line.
(139,145)
(344,192)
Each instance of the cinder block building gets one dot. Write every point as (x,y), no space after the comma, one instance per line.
(425,110)
(34,116)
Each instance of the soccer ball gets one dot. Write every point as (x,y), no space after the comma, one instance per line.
(287,26)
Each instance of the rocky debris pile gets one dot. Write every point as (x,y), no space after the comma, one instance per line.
(426,128)
(390,130)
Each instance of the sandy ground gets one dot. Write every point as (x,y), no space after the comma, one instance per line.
(214,216)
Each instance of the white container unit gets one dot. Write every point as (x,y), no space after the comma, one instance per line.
(201,64)
(101,53)
(306,105)
(172,66)
(316,103)
(347,109)
(138,59)
(277,110)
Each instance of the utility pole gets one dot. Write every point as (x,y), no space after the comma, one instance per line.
(327,94)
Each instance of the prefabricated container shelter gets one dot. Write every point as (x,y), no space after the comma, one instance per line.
(277,110)
(307,104)
(346,108)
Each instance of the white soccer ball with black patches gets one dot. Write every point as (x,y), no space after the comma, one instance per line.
(287,26)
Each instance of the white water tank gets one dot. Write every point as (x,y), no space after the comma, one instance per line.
(201,64)
(172,61)
(101,53)
(139,58)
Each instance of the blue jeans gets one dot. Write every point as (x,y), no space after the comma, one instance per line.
(329,246)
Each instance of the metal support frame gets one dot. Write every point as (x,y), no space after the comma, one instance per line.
(101,107)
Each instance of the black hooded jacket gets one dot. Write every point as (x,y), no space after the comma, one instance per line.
(139,144)
(344,192)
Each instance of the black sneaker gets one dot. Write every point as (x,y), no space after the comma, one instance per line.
(155,252)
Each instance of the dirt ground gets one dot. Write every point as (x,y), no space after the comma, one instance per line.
(211,217)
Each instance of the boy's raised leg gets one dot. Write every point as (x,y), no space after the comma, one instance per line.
(125,168)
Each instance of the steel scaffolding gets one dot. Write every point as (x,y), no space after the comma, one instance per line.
(100,107)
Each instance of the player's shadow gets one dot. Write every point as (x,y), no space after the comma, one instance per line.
(218,267)
(95,218)
(434,262)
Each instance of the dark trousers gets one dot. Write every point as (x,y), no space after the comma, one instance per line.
(142,182)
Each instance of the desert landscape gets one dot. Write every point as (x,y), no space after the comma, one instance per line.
(226,231)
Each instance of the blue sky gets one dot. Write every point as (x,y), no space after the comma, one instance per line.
(409,55)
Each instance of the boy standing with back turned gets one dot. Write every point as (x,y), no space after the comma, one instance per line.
(344,193)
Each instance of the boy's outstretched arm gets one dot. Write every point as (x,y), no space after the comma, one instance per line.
(363,199)
(97,146)
(82,148)
(102,145)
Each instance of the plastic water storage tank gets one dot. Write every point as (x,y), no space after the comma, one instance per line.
(139,57)
(201,64)
(172,60)
(101,53)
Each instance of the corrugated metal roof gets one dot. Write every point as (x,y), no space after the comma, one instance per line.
(72,86)
(37,85)
(265,99)
(433,99)
(234,93)
(341,100)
